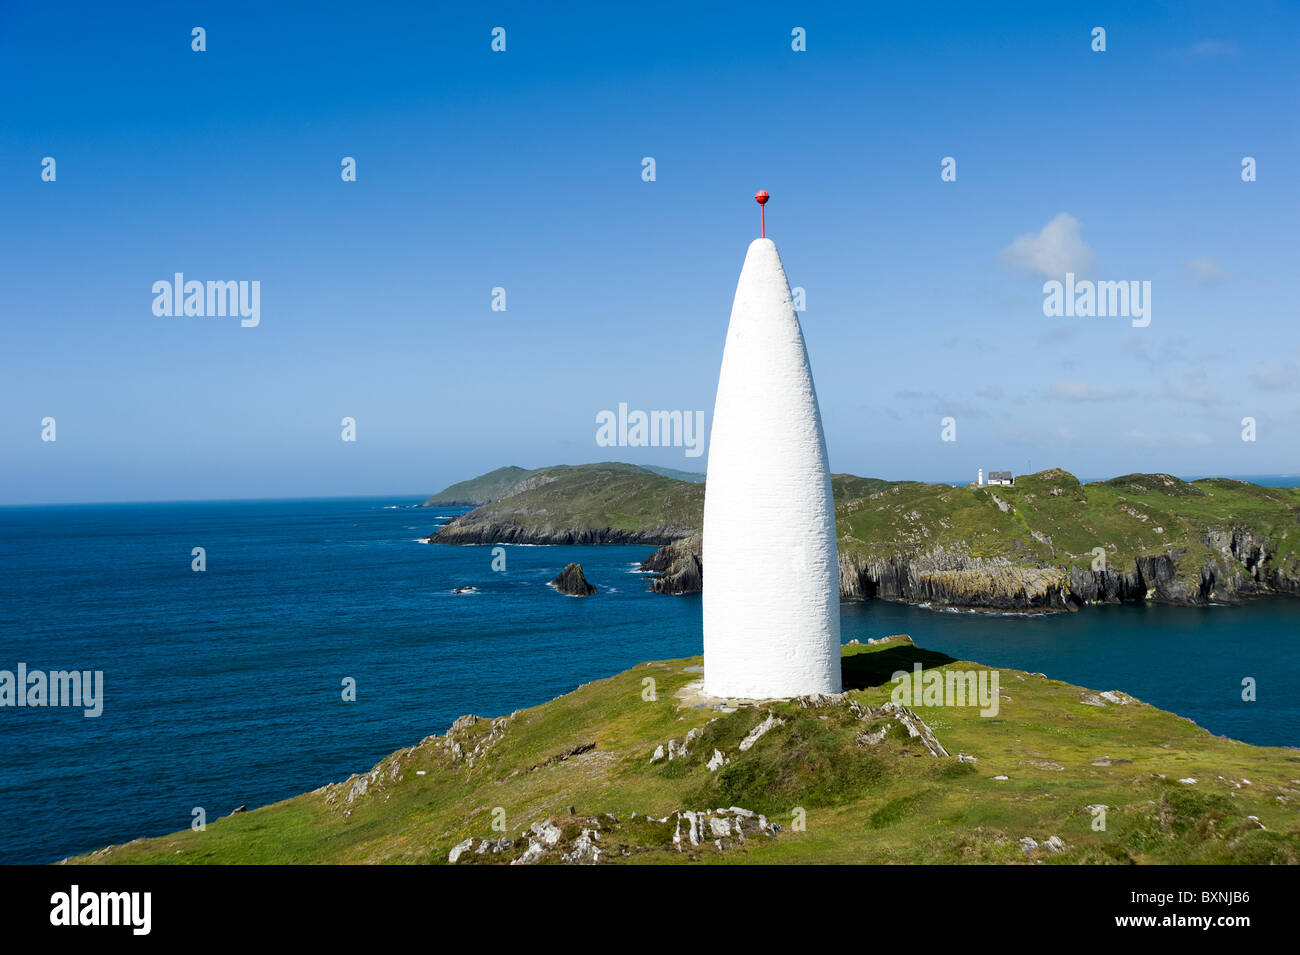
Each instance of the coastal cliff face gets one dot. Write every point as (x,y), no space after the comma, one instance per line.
(961,581)
(677,567)
(1052,544)
(1169,578)
(944,578)
(1242,568)
(490,531)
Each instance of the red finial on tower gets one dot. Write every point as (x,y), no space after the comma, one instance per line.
(761,198)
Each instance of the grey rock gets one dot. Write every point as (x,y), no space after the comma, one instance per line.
(572,582)
(458,850)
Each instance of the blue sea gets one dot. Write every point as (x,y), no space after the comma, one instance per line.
(223,688)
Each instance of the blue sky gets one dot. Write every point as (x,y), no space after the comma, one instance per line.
(523,169)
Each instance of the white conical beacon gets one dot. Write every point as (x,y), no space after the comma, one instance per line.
(771,576)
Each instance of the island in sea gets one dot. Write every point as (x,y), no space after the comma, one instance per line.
(1047,543)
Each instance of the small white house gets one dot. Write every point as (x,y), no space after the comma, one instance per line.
(1002,478)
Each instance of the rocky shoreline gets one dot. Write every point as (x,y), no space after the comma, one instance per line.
(677,567)
(946,579)
(953,579)
(458,531)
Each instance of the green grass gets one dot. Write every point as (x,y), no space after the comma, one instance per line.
(591,498)
(1131,516)
(887,803)
(480,490)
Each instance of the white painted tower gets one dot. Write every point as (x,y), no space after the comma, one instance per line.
(771,575)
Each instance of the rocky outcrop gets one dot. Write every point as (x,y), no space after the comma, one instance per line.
(1253,556)
(951,580)
(466,530)
(1243,565)
(725,828)
(761,730)
(591,840)
(916,727)
(467,741)
(947,578)
(572,582)
(676,750)
(676,567)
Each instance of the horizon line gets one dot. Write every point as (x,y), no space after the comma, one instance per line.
(419,498)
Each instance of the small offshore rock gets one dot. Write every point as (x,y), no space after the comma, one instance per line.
(572,582)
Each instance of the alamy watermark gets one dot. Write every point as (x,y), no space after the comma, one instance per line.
(83,688)
(947,688)
(208,299)
(1088,299)
(654,429)
(128,909)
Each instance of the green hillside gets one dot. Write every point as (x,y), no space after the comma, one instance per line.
(480,490)
(576,779)
(1050,543)
(1050,517)
(589,503)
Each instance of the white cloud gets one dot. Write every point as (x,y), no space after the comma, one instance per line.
(1074,389)
(1174,350)
(1203,271)
(1058,334)
(1169,439)
(1194,387)
(939,405)
(1056,249)
(1275,376)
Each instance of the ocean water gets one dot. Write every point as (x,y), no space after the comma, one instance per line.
(223,688)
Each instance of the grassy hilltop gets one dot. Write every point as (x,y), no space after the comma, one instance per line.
(1048,516)
(480,490)
(502,482)
(608,503)
(574,778)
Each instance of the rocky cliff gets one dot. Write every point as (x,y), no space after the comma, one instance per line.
(1243,567)
(506,532)
(1049,543)
(676,566)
